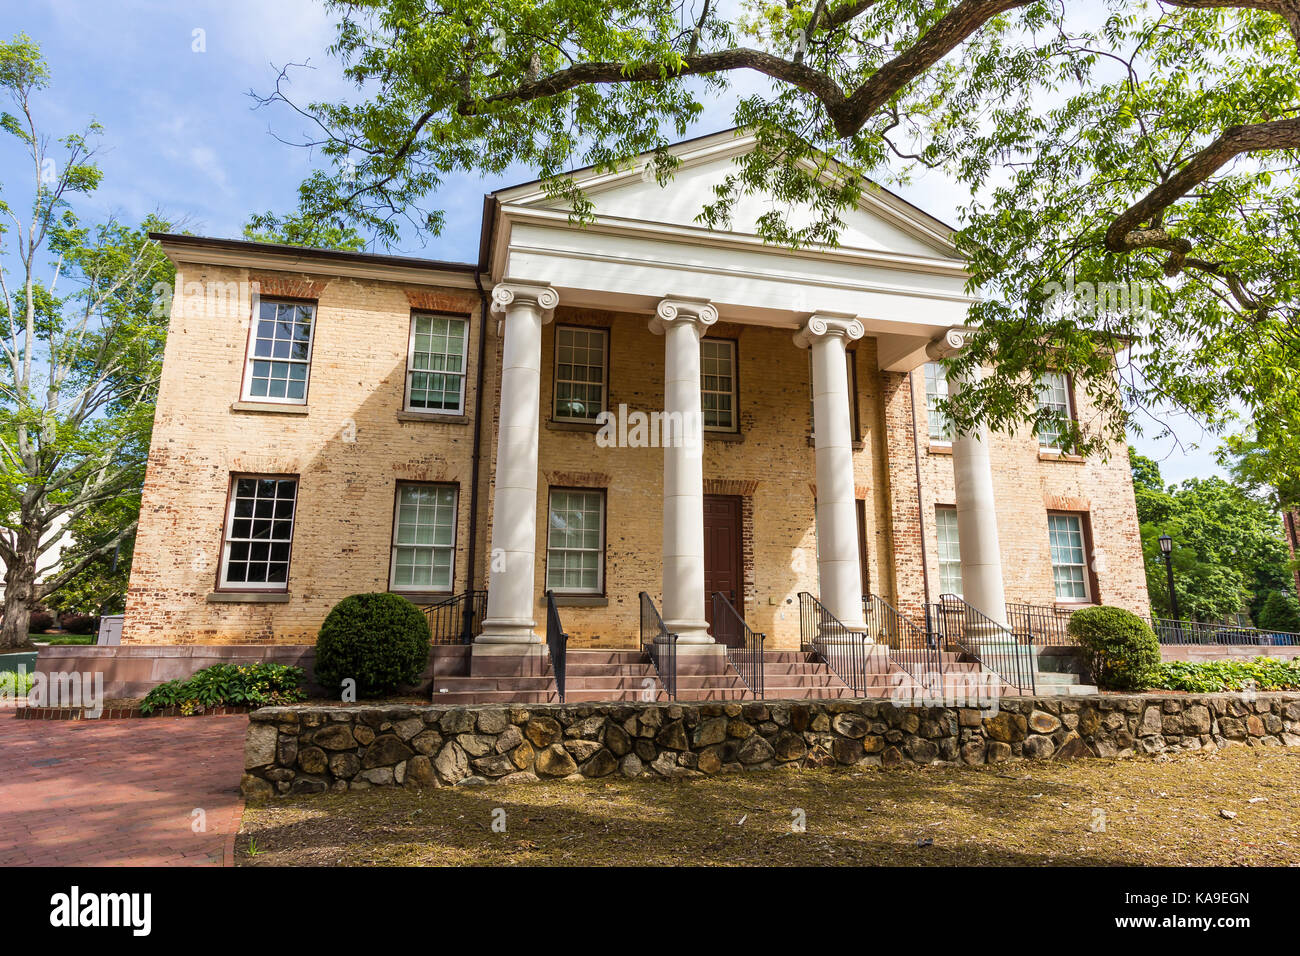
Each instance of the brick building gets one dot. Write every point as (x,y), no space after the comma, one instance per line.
(330,423)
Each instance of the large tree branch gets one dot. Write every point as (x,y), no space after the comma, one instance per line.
(1288,10)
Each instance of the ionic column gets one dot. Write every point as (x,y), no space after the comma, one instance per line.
(525,307)
(977,518)
(838,562)
(683,322)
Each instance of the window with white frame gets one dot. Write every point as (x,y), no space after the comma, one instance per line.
(424,537)
(718,384)
(435,377)
(575,542)
(1054,397)
(936,390)
(1069,556)
(259,532)
(279,352)
(945,523)
(579,373)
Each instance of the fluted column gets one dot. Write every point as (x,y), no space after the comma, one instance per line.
(525,307)
(839,565)
(683,322)
(977,517)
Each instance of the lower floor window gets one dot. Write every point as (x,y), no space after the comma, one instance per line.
(1065,534)
(259,532)
(424,537)
(945,522)
(575,542)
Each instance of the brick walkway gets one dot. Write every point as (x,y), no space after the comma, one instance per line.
(119,792)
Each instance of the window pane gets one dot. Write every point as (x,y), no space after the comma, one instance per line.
(574,550)
(437,346)
(1068,556)
(260,531)
(281,351)
(718,383)
(949,551)
(1053,397)
(424,537)
(579,373)
(936,390)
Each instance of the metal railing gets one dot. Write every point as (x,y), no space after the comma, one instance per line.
(456,619)
(845,651)
(744,646)
(1040,624)
(557,642)
(660,644)
(1199,633)
(909,645)
(992,644)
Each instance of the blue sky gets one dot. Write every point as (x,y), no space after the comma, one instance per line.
(182,137)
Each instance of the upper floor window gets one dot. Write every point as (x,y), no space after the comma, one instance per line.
(718,384)
(945,522)
(575,542)
(435,377)
(936,390)
(279,352)
(1069,553)
(424,538)
(1054,397)
(580,355)
(259,532)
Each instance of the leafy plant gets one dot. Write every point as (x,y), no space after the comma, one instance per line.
(1207,677)
(1122,650)
(379,640)
(228,685)
(13,684)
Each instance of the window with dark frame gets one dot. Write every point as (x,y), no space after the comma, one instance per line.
(259,532)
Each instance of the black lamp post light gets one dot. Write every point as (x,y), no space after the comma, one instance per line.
(1167,549)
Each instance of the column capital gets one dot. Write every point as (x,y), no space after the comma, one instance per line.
(822,325)
(683,310)
(539,295)
(951,343)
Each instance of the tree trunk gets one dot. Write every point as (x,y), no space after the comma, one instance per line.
(20,594)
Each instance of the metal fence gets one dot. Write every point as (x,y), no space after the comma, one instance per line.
(1046,624)
(744,647)
(994,645)
(660,644)
(909,644)
(557,642)
(845,651)
(456,619)
(1040,624)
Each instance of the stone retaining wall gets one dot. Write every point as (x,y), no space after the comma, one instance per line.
(310,749)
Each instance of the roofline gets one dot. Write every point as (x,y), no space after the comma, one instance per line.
(310,252)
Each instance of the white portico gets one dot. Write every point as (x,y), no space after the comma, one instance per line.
(895,278)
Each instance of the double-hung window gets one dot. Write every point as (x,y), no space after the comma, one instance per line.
(259,533)
(945,522)
(936,390)
(1068,545)
(1054,398)
(424,538)
(718,384)
(435,366)
(279,352)
(580,355)
(575,542)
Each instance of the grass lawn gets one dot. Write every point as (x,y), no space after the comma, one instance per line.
(1155,812)
(61,638)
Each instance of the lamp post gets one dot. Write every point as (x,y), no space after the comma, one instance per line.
(1167,548)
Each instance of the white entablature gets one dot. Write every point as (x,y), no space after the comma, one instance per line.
(895,269)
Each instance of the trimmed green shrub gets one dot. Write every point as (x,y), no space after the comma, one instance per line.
(228,685)
(379,640)
(1121,648)
(1208,677)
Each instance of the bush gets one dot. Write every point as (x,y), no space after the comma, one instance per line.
(1281,612)
(1122,651)
(75,623)
(1208,677)
(228,685)
(40,622)
(378,640)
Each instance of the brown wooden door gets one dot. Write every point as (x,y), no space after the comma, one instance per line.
(722,564)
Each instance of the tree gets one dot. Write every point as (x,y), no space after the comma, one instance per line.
(1228,552)
(294,230)
(78,368)
(1132,164)
(1280,612)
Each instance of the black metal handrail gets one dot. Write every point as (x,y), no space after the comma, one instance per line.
(557,642)
(660,643)
(744,646)
(909,645)
(992,644)
(456,619)
(844,650)
(1040,624)
(1203,633)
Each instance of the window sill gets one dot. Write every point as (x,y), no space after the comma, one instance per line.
(858,443)
(269,407)
(579,600)
(553,425)
(248,597)
(443,417)
(939,449)
(1044,455)
(723,436)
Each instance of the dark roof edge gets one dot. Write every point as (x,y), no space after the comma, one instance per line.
(308,252)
